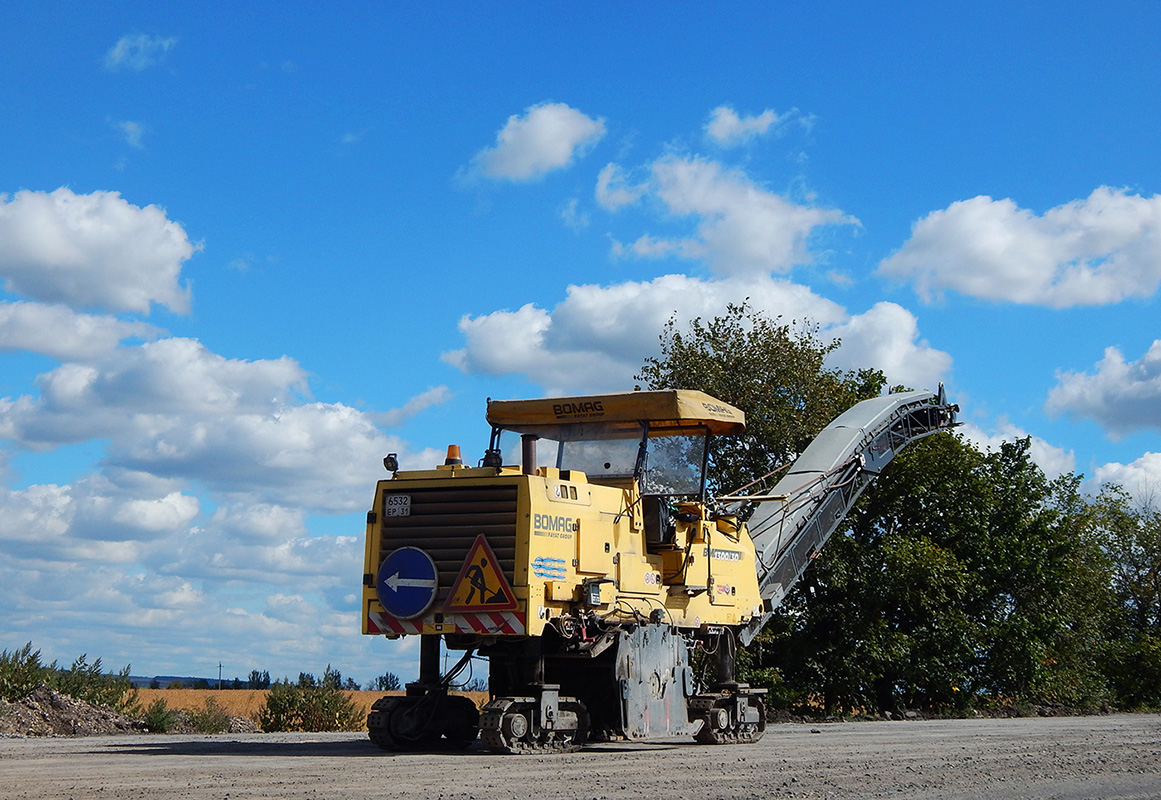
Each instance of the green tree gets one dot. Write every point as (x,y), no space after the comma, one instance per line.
(1132,538)
(962,574)
(387,682)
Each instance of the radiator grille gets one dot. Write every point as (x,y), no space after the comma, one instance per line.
(445,522)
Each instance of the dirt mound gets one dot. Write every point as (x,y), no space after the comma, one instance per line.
(46,712)
(49,713)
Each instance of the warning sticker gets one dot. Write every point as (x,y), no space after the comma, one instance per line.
(480,585)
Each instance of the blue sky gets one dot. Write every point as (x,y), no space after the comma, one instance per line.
(244,254)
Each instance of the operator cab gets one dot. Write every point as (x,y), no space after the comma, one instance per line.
(653,444)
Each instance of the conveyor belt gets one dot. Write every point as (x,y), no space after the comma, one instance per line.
(798,515)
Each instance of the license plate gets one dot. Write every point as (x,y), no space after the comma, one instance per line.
(397,505)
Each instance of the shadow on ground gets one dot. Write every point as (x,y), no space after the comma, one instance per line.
(352,748)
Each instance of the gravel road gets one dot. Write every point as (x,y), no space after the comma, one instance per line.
(1079,757)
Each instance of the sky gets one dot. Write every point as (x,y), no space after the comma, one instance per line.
(246,251)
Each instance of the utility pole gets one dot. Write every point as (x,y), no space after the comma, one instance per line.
(219,676)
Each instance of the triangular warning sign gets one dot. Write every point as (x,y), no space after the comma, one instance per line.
(480,585)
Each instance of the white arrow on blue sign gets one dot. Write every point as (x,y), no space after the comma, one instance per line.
(407,582)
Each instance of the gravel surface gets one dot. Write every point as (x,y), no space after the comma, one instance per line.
(1064,757)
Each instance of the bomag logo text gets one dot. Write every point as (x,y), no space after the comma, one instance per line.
(579,408)
(553,526)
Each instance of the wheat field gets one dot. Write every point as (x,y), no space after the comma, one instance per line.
(249,702)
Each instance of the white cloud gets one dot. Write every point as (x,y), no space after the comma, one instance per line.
(258,522)
(647,246)
(727,128)
(92,250)
(886,336)
(741,228)
(97,518)
(421,402)
(60,332)
(613,190)
(546,138)
(173,408)
(138,51)
(133,132)
(146,388)
(1054,461)
(1140,478)
(279,554)
(1100,250)
(597,338)
(572,216)
(1122,397)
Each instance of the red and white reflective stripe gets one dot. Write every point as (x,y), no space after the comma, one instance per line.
(384,623)
(507,623)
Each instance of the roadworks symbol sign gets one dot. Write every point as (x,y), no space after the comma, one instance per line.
(481,585)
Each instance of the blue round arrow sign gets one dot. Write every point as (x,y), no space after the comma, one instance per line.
(407,582)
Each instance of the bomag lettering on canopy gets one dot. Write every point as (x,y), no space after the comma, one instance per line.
(590,563)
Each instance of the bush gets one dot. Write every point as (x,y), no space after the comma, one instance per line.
(282,709)
(21,671)
(159,717)
(86,682)
(212,718)
(310,705)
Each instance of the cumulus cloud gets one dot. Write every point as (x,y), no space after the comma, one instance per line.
(1140,478)
(98,518)
(58,331)
(1100,250)
(129,546)
(547,137)
(1122,397)
(1055,461)
(138,52)
(741,227)
(172,408)
(886,336)
(143,388)
(263,543)
(597,337)
(92,251)
(726,128)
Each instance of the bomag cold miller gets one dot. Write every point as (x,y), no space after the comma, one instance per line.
(588,574)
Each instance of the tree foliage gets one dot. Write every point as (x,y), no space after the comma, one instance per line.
(1132,538)
(956,579)
(387,682)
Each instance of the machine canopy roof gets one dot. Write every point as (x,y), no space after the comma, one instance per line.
(668,412)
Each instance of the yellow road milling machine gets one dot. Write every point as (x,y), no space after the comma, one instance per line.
(590,573)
